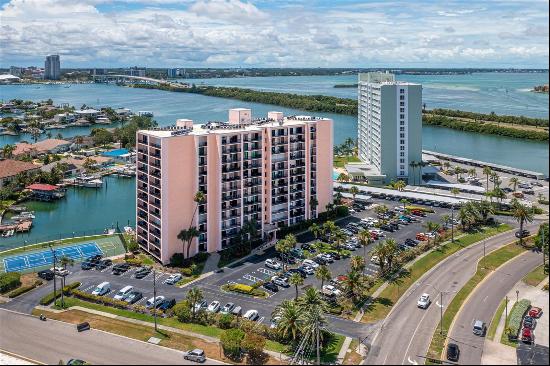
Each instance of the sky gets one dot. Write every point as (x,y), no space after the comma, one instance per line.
(275,33)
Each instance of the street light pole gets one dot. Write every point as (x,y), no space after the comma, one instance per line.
(155,297)
(452,223)
(441,312)
(54,279)
(517,296)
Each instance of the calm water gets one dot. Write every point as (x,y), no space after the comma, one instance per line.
(83,211)
(503,93)
(94,210)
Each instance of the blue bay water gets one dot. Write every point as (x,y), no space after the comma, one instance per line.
(88,209)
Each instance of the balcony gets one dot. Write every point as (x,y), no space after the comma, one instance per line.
(142,159)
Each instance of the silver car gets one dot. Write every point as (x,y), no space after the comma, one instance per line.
(196,355)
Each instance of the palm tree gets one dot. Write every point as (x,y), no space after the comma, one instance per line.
(472,172)
(364,237)
(312,298)
(391,251)
(421,165)
(322,273)
(186,236)
(455,192)
(381,209)
(296,280)
(357,263)
(487,172)
(354,192)
(315,230)
(522,214)
(329,228)
(291,319)
(339,238)
(283,247)
(430,226)
(64,262)
(499,194)
(495,179)
(194,296)
(7,151)
(313,203)
(354,284)
(400,185)
(291,240)
(514,181)
(380,252)
(342,177)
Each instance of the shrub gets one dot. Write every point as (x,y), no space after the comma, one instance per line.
(419,208)
(182,311)
(188,272)
(178,259)
(22,290)
(244,289)
(225,321)
(231,340)
(107,301)
(136,262)
(254,345)
(9,281)
(48,299)
(516,316)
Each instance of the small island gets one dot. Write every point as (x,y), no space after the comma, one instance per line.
(541,89)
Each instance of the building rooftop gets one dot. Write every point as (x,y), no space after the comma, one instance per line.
(42,187)
(9,167)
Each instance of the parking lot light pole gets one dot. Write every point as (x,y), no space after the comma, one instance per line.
(155,297)
(54,279)
(441,312)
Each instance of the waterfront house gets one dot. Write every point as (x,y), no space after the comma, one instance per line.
(65,117)
(46,192)
(71,169)
(10,168)
(88,113)
(48,146)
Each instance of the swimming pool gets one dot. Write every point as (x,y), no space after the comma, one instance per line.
(116,152)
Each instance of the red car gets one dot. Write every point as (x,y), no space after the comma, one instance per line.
(535,312)
(421,237)
(374,236)
(527,335)
(419,213)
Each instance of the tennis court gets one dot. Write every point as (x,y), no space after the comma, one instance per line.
(45,258)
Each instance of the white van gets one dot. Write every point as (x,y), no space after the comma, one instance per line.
(123,292)
(102,289)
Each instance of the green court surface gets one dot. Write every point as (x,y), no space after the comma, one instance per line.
(109,245)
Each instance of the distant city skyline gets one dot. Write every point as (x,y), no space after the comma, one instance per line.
(317,33)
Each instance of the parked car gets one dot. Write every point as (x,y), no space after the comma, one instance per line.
(270,286)
(479,328)
(237,311)
(327,257)
(271,263)
(309,262)
(86,265)
(103,264)
(166,304)
(280,281)
(421,237)
(320,261)
(153,302)
(529,322)
(330,290)
(196,355)
(274,322)
(120,268)
(202,305)
(302,273)
(424,301)
(411,242)
(123,292)
(102,289)
(453,352)
(46,274)
(142,272)
(251,315)
(535,312)
(133,297)
(59,271)
(522,234)
(173,279)
(527,335)
(307,269)
(214,307)
(227,308)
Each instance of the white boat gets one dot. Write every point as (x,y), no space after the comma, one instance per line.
(93,183)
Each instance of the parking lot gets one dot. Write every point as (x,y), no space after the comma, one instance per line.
(251,271)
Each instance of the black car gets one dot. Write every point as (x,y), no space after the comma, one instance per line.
(387,228)
(46,275)
(522,234)
(403,247)
(104,263)
(166,304)
(120,268)
(411,242)
(94,259)
(335,256)
(271,287)
(301,272)
(142,272)
(320,261)
(86,265)
(287,259)
(529,322)
(453,352)
(133,297)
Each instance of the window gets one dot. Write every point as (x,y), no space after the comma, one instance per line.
(402,123)
(402,129)
(402,110)
(402,161)
(402,142)
(402,91)
(401,97)
(402,116)
(402,173)
(402,135)
(402,104)
(401,154)
(402,148)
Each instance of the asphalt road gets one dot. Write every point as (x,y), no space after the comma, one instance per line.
(51,341)
(406,333)
(483,303)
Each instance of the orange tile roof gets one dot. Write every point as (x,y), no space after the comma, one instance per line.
(9,167)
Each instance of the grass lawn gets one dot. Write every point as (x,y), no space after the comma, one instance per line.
(492,261)
(504,337)
(341,161)
(382,305)
(535,277)
(352,357)
(496,319)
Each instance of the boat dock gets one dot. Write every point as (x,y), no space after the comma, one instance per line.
(496,167)
(20,227)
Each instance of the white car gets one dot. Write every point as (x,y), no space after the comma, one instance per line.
(308,270)
(123,292)
(326,257)
(280,281)
(214,307)
(201,306)
(310,263)
(273,264)
(102,289)
(424,301)
(251,315)
(331,290)
(173,279)
(274,322)
(374,259)
(154,301)
(59,271)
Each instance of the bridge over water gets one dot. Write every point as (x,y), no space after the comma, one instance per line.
(131,79)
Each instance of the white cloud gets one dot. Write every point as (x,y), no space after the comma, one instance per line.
(233,32)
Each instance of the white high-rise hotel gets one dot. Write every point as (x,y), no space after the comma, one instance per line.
(390,126)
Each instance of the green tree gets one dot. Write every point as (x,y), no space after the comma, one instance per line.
(183,311)
(296,280)
(522,214)
(291,319)
(487,172)
(365,239)
(322,273)
(354,192)
(7,151)
(231,340)
(194,297)
(513,182)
